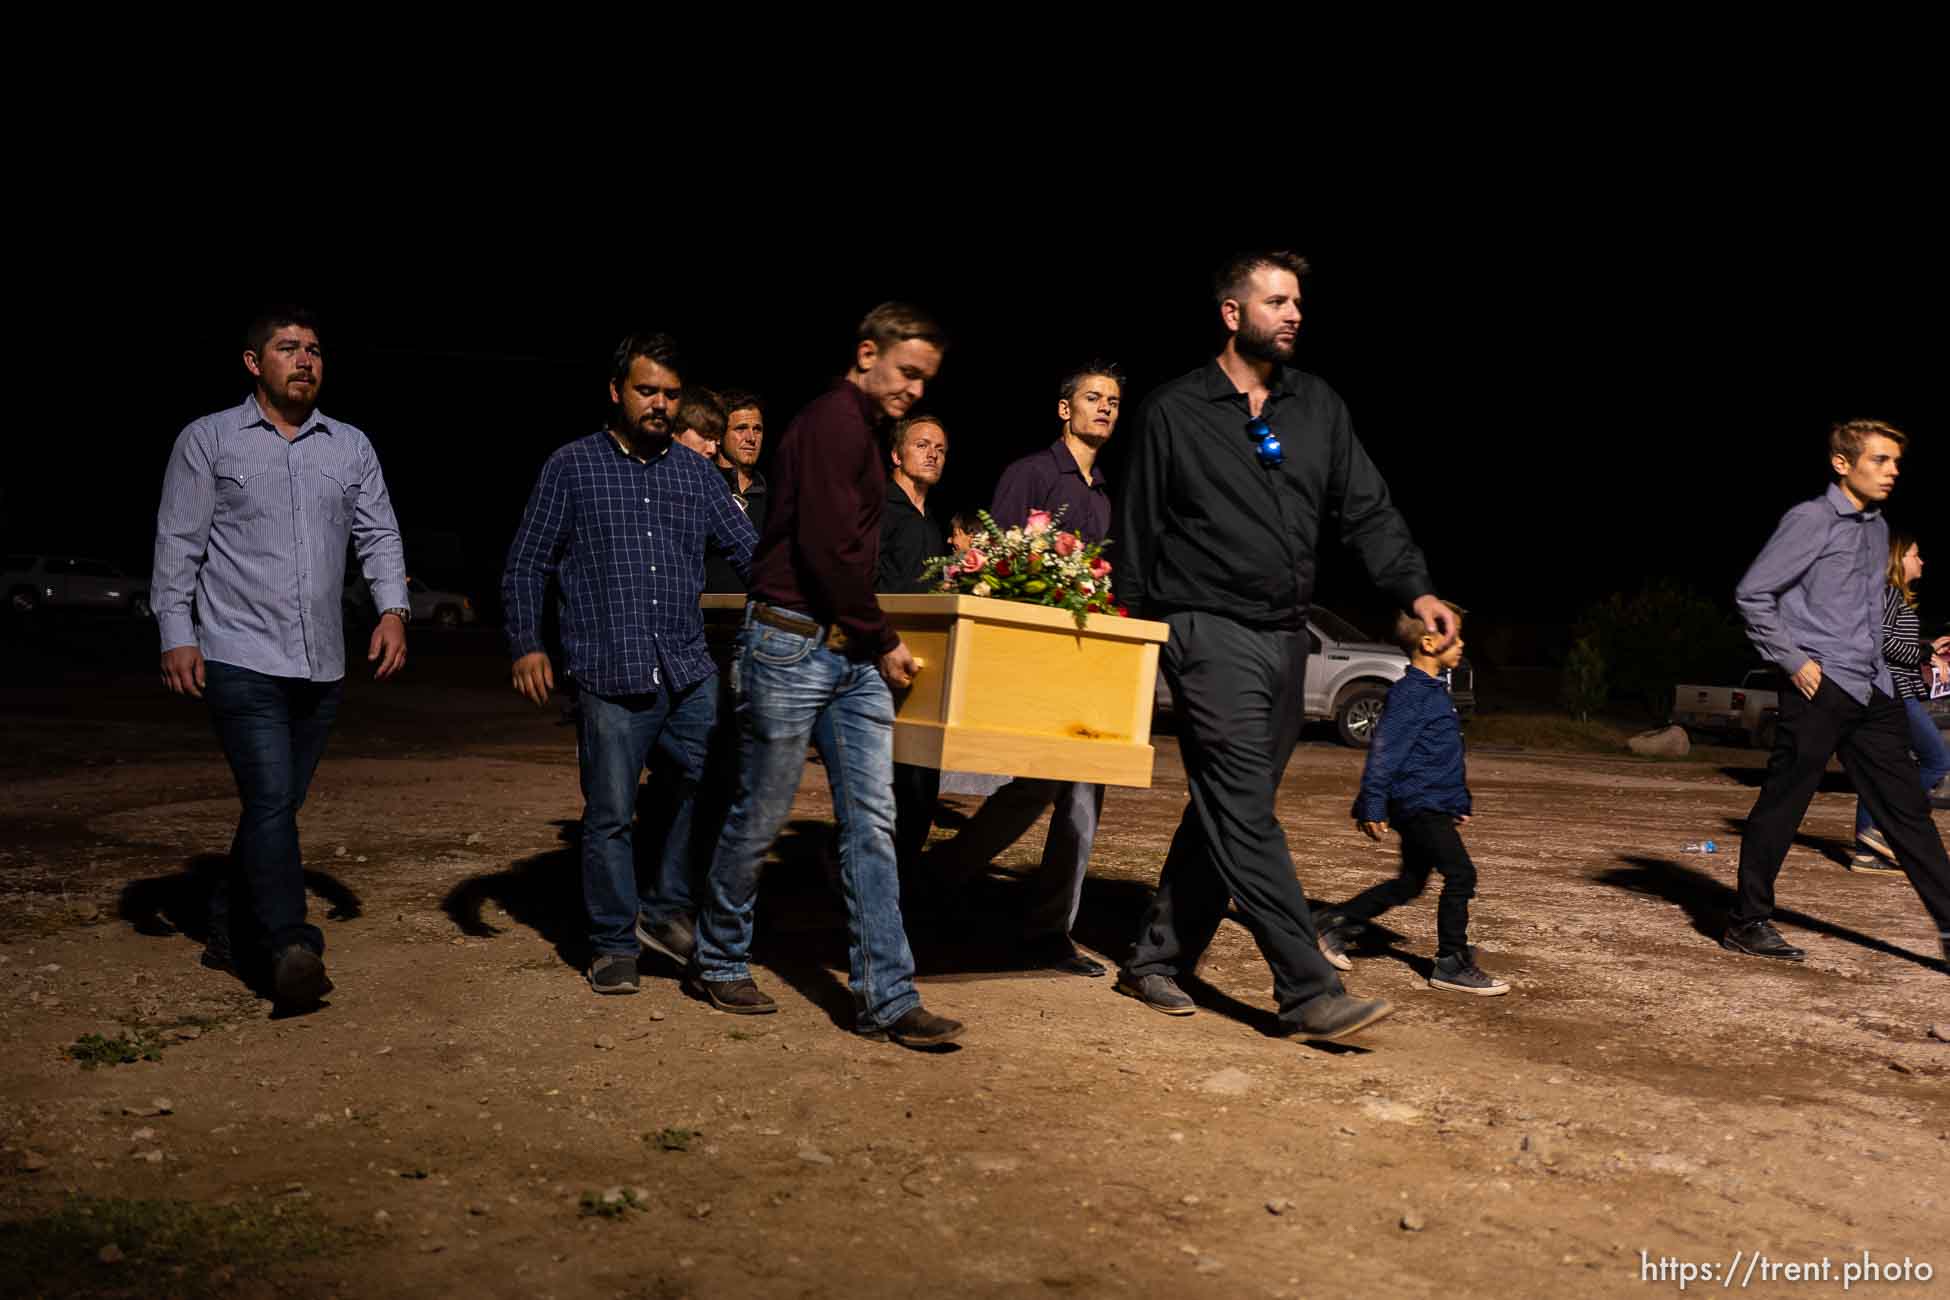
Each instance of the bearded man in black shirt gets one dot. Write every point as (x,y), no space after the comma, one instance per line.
(1234,469)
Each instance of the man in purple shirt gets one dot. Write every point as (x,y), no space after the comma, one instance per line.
(258,504)
(1813,605)
(1063,476)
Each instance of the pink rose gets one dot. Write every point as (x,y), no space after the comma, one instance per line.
(972,560)
(1039,522)
(1068,543)
(1100,567)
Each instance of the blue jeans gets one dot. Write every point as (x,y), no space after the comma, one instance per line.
(790,689)
(273,731)
(1927,743)
(617,736)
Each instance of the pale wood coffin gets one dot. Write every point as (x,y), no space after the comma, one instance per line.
(1016,690)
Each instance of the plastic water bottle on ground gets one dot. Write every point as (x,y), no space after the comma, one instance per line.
(1700,846)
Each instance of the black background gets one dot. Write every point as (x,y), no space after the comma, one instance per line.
(1570,392)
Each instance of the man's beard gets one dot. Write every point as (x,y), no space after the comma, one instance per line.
(644,426)
(1257,346)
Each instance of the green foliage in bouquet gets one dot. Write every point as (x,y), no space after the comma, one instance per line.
(1037,563)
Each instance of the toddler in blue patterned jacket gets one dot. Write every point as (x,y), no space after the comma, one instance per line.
(1414,781)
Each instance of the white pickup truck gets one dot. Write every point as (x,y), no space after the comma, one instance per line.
(1746,711)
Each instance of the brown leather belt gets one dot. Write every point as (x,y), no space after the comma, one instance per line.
(795,624)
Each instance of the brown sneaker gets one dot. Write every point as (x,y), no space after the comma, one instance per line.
(739,997)
(920,1027)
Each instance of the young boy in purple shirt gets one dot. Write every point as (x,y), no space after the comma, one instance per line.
(1414,780)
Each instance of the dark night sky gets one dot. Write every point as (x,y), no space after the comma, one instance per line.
(1566,398)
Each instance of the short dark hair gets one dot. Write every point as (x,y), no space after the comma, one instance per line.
(1409,630)
(658,347)
(1229,281)
(702,411)
(1074,380)
(909,425)
(969,521)
(737,399)
(897,322)
(274,318)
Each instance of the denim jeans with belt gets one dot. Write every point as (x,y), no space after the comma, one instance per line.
(617,736)
(273,731)
(792,688)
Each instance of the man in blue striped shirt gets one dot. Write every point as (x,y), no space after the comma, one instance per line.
(1812,601)
(258,503)
(620,519)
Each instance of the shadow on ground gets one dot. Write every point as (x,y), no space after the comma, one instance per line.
(1707,902)
(179,904)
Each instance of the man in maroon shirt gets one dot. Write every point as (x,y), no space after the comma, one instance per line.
(817,661)
(1063,476)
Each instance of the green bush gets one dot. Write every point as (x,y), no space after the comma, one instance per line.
(1585,685)
(1664,634)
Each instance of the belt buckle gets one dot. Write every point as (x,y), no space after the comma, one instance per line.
(835,638)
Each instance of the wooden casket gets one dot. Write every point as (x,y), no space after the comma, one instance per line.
(1014,690)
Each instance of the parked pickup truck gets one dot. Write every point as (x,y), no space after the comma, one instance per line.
(1746,712)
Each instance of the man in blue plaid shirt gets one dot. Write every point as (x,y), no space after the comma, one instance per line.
(621,522)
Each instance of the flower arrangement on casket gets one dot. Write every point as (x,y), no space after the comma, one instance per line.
(1037,563)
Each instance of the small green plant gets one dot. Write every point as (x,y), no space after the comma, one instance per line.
(612,1204)
(673,1139)
(1585,684)
(91,1051)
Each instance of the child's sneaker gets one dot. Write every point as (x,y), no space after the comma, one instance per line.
(1872,840)
(1333,932)
(1459,973)
(1333,946)
(1868,864)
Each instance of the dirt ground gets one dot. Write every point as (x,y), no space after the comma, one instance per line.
(456,1114)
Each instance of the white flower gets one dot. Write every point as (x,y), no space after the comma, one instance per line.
(982,589)
(1086,586)
(1038,546)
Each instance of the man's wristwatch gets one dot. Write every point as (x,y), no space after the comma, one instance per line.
(405,616)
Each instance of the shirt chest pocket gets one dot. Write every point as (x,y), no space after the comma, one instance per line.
(337,490)
(249,491)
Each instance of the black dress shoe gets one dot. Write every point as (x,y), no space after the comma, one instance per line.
(1760,939)
(1059,954)
(298,978)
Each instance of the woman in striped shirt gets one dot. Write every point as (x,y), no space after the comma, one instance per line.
(1909,658)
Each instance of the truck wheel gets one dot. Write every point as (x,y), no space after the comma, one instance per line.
(1358,713)
(23,600)
(446,616)
(139,606)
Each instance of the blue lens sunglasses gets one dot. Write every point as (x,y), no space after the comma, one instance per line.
(1271,454)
